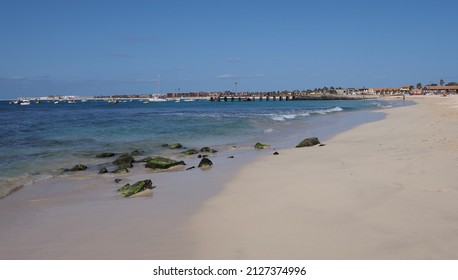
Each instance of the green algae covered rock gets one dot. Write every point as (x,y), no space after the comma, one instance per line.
(308,142)
(190,152)
(124,161)
(207,150)
(128,190)
(176,146)
(105,155)
(261,146)
(162,163)
(120,170)
(77,167)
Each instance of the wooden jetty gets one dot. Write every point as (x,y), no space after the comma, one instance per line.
(233,98)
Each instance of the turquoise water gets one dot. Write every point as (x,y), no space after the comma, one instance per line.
(39,139)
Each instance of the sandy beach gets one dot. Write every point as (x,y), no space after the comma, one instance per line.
(382,190)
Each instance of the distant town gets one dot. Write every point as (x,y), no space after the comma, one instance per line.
(317,93)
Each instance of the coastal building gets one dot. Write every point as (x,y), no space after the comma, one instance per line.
(352,91)
(440,90)
(390,91)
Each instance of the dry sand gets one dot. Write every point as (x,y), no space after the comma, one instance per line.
(383,190)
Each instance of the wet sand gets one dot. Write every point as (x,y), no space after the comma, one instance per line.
(82,217)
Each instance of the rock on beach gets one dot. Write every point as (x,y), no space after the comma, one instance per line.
(261,146)
(205,163)
(308,142)
(128,190)
(162,163)
(124,161)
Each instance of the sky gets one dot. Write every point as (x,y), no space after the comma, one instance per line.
(89,48)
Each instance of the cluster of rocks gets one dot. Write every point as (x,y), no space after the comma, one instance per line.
(125,161)
(307,142)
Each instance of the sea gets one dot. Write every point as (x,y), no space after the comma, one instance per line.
(38,141)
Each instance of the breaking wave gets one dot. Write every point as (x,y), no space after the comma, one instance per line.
(284,117)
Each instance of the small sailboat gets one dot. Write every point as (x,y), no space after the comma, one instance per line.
(25,102)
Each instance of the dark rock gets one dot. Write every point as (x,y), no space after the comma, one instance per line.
(105,155)
(276,154)
(129,190)
(208,150)
(205,163)
(307,142)
(176,146)
(136,152)
(124,161)
(189,168)
(230,157)
(78,167)
(261,146)
(165,145)
(322,145)
(103,170)
(190,152)
(120,170)
(199,156)
(162,163)
(117,180)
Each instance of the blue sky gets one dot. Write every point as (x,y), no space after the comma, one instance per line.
(111,47)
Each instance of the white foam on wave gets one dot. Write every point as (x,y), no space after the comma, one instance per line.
(290,116)
(282,118)
(304,114)
(269,130)
(330,110)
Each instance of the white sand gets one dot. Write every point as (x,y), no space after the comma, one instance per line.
(383,190)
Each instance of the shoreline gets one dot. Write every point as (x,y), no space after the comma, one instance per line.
(85,212)
(382,190)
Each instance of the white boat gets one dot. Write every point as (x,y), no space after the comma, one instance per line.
(56,102)
(25,102)
(156,99)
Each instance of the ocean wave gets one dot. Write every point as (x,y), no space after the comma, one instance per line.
(290,116)
(269,130)
(381,105)
(282,118)
(328,110)
(10,185)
